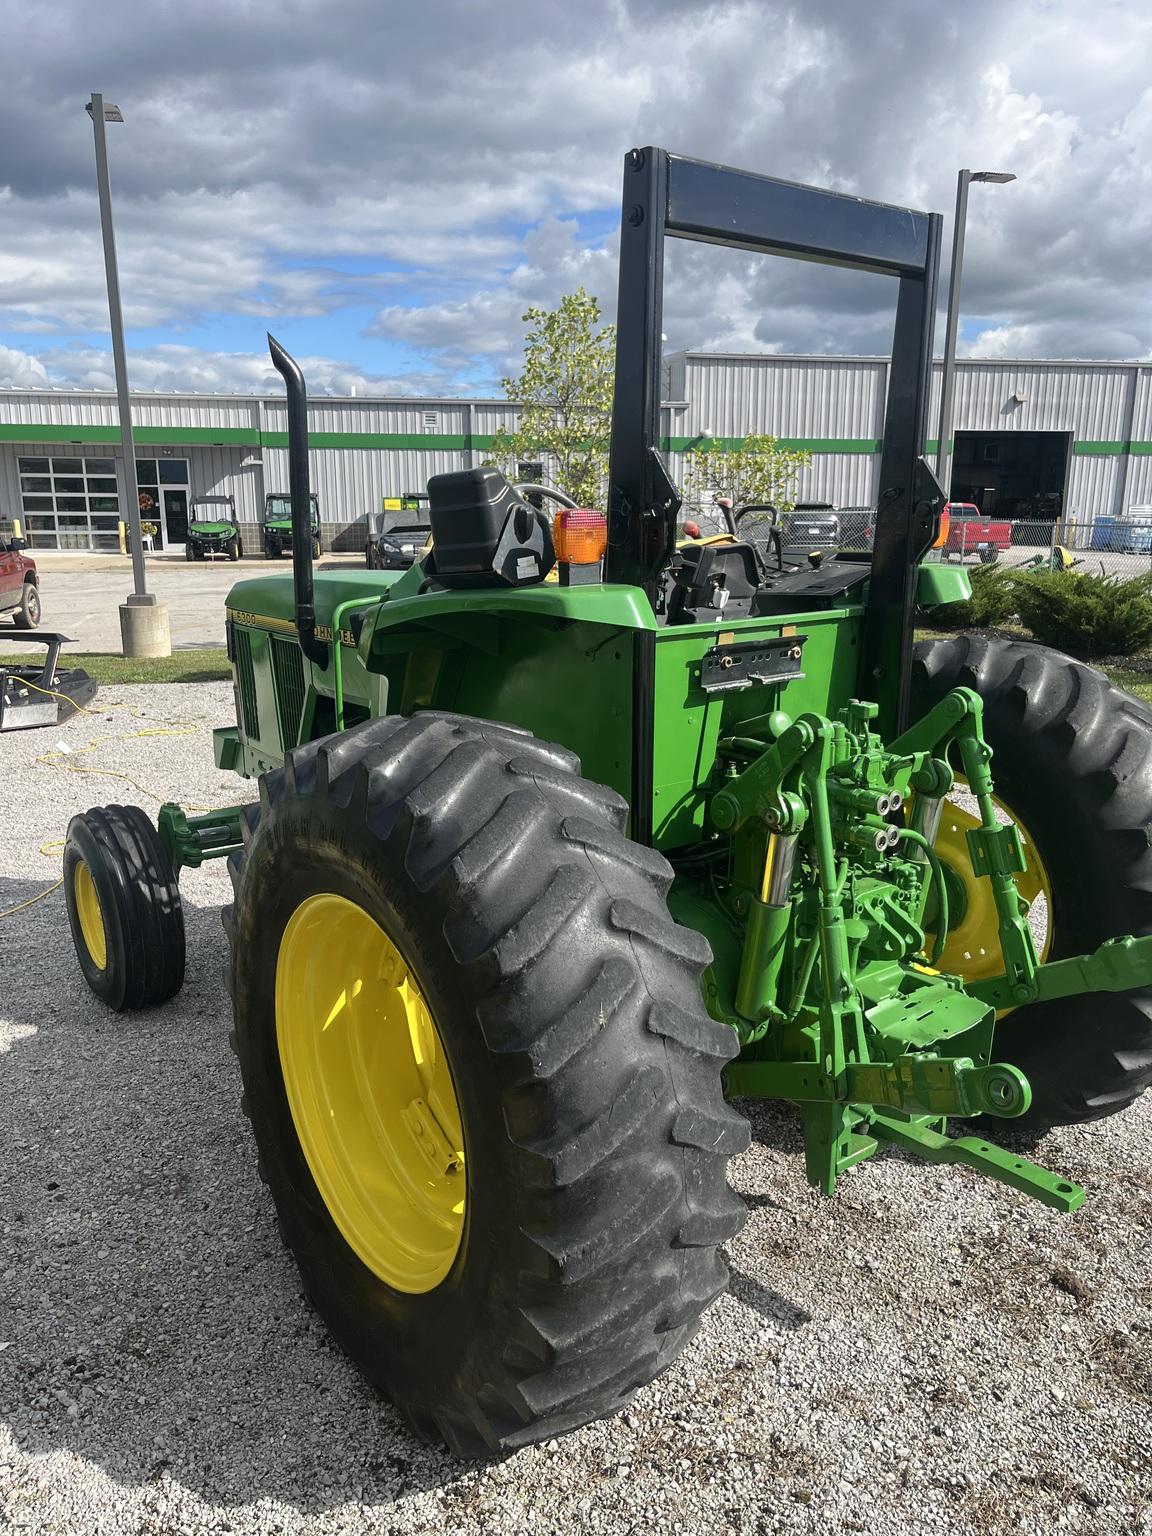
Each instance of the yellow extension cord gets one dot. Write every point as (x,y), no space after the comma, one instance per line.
(60,759)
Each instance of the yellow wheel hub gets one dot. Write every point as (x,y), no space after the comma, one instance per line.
(371,1093)
(90,915)
(972,949)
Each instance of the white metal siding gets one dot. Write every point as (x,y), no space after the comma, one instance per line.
(827,398)
(228,472)
(1091,402)
(1092,487)
(821,398)
(845,479)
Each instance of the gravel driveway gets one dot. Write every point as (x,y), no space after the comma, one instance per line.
(927,1353)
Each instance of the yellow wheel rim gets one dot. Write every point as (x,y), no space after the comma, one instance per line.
(90,915)
(972,949)
(371,1093)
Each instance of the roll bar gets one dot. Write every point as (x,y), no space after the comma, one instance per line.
(668,195)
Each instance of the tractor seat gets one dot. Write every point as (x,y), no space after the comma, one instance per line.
(713,581)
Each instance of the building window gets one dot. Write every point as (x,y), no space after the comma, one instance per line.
(74,503)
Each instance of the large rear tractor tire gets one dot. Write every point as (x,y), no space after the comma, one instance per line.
(1072,764)
(123,907)
(484,1089)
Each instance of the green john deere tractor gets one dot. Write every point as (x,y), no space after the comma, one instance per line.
(566,837)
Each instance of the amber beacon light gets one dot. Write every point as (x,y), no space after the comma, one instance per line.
(579,535)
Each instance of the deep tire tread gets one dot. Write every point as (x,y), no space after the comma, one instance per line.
(586,997)
(1072,755)
(140,906)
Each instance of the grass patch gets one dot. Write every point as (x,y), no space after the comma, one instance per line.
(201,666)
(1134,681)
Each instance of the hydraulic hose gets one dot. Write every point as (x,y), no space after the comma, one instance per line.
(921,842)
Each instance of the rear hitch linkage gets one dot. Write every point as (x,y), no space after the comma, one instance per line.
(842,829)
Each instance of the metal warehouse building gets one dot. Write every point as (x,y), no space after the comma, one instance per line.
(1033,439)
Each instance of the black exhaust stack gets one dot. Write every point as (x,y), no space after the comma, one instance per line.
(298,488)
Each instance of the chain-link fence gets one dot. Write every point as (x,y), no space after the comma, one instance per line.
(1115,545)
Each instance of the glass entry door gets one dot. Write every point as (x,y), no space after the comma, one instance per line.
(164,497)
(175,516)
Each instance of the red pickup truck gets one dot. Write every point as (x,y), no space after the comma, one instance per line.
(971,533)
(19,589)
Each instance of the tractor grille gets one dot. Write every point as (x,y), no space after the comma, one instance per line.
(288,675)
(245,682)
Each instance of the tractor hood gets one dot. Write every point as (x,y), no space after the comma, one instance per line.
(212,530)
(270,600)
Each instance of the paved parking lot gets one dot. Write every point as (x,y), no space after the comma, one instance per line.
(82,594)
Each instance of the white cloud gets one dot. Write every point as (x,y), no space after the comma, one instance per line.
(174,367)
(287,161)
(20,370)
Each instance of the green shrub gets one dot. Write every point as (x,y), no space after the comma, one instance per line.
(1085,614)
(993,602)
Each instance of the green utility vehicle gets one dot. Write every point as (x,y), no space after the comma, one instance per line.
(213,529)
(556,854)
(277,526)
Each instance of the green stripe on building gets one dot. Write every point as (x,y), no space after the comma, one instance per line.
(34,433)
(29,432)
(451,442)
(810,444)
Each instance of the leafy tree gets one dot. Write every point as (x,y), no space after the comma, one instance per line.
(565,398)
(755,469)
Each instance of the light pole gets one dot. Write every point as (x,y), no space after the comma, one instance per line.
(948,378)
(143,621)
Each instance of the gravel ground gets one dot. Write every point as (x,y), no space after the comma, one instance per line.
(927,1353)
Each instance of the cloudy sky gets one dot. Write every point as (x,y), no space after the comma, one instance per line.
(386,186)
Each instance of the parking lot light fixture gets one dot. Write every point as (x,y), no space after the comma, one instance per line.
(143,633)
(948,376)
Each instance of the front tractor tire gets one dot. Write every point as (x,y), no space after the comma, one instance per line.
(484,1089)
(1072,764)
(123,907)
